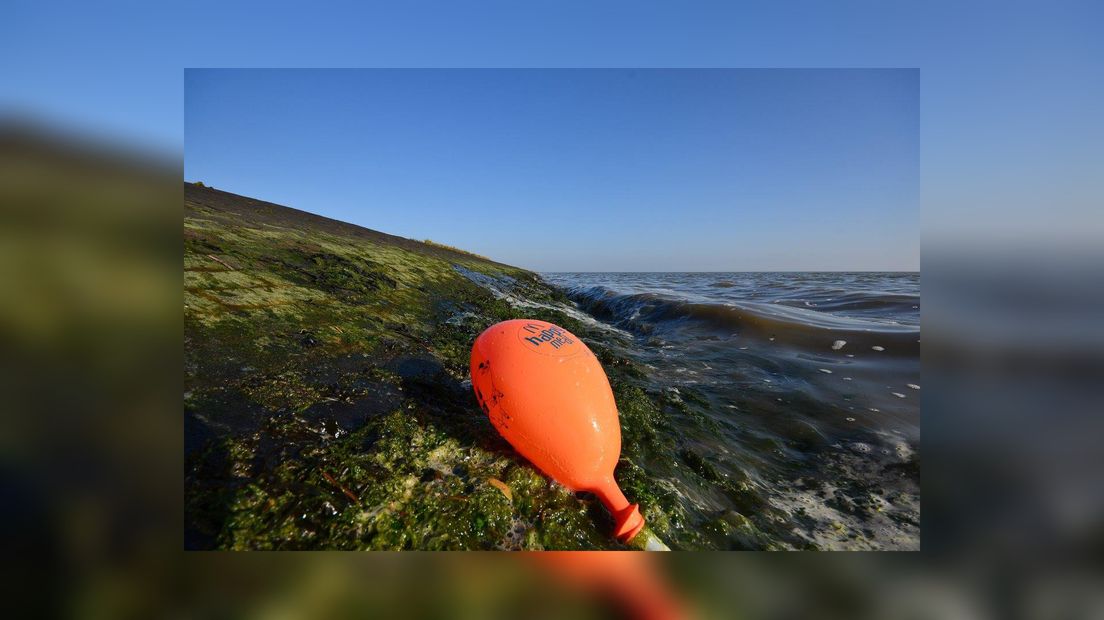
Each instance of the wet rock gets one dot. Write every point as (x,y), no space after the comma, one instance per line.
(417,367)
(307,339)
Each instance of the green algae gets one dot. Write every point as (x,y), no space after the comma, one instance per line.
(326,405)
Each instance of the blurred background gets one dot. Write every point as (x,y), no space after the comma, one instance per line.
(90,311)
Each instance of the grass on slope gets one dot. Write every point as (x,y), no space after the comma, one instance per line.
(326,396)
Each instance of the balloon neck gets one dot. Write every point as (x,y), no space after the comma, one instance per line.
(626,517)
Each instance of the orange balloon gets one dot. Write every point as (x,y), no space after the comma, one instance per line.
(546,393)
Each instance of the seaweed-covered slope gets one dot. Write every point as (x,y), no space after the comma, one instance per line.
(327,403)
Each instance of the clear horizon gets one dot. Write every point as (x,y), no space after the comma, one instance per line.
(583,170)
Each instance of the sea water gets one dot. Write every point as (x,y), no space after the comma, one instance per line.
(799,394)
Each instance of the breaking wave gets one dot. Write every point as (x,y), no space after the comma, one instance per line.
(782,321)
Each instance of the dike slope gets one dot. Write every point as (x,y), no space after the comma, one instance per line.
(327,402)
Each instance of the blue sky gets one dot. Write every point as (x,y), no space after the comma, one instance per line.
(583,170)
(1011,143)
